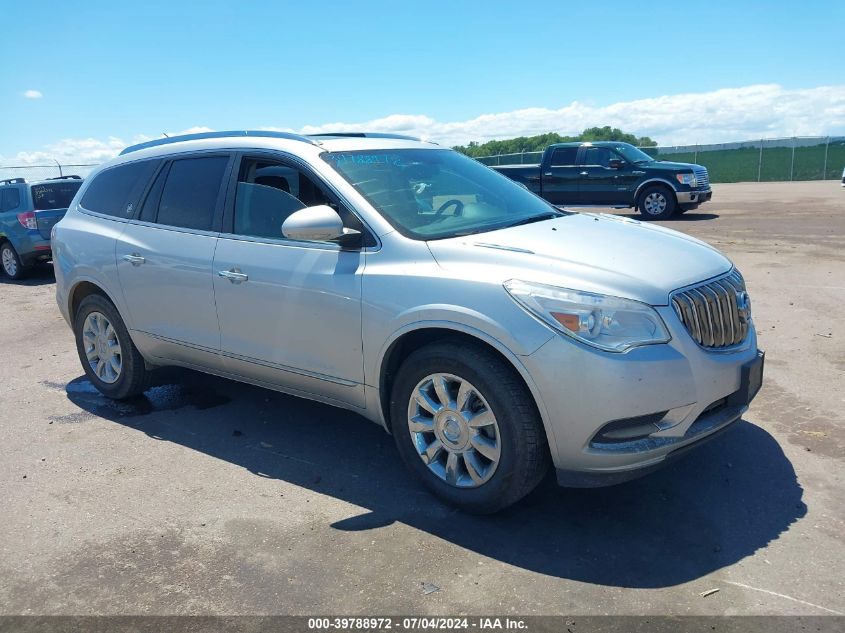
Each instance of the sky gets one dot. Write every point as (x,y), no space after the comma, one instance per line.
(80,83)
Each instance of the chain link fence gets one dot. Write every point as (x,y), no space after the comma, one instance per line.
(43,172)
(765,160)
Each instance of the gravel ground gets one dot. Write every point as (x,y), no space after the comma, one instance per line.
(212,497)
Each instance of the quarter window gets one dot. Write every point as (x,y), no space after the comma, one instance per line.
(189,197)
(115,191)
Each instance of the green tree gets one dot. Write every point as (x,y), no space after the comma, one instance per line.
(539,142)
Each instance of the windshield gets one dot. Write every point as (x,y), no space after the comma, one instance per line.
(433,194)
(632,154)
(56,195)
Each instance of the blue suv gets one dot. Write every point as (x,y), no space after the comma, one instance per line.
(28,211)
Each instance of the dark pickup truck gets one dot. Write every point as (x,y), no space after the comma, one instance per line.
(611,174)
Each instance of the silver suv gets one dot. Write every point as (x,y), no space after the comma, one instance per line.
(491,333)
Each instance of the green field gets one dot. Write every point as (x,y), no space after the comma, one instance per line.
(741,165)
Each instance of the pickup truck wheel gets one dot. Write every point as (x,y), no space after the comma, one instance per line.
(109,357)
(657,203)
(10,262)
(467,427)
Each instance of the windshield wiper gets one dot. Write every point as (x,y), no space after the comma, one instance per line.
(532,219)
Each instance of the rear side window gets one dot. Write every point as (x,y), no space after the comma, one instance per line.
(56,195)
(564,156)
(10,198)
(189,196)
(116,191)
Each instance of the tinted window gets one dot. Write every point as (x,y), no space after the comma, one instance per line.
(564,156)
(115,191)
(189,197)
(10,198)
(56,195)
(150,208)
(268,193)
(597,156)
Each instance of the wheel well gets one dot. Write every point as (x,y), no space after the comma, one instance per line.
(651,185)
(82,290)
(406,344)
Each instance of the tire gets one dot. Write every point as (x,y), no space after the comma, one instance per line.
(131,377)
(657,203)
(522,455)
(11,263)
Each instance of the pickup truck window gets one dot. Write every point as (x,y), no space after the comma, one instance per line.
(632,154)
(597,156)
(564,156)
(431,194)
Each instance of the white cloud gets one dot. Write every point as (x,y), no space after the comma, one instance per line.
(33,94)
(731,114)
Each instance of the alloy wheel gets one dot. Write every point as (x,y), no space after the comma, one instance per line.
(454,430)
(655,203)
(102,347)
(10,264)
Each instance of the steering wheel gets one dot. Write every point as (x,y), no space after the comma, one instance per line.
(459,207)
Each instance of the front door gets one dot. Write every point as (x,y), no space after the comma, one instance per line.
(289,311)
(600,183)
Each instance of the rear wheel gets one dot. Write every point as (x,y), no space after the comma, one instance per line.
(10,262)
(657,203)
(109,357)
(466,425)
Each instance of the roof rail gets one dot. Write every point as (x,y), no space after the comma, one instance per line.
(402,137)
(12,181)
(73,177)
(204,135)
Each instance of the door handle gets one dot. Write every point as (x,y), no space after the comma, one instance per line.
(233,275)
(135,259)
(584,173)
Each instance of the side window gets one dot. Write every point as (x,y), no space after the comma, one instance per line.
(10,199)
(115,191)
(267,193)
(597,156)
(189,196)
(564,156)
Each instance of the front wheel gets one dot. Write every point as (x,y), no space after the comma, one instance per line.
(109,357)
(657,203)
(11,263)
(467,427)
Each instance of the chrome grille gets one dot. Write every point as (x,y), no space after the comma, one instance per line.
(717,313)
(702,178)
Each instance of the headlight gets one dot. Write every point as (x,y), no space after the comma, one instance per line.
(609,323)
(687,179)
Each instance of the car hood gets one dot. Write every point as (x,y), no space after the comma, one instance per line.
(584,251)
(667,166)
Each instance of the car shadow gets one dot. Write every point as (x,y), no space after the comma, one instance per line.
(719,504)
(38,275)
(689,216)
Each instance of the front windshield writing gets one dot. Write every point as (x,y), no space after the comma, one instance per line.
(433,194)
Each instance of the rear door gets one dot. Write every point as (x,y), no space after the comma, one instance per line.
(50,201)
(560,176)
(165,255)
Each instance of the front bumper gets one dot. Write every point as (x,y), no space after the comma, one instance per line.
(693,197)
(689,394)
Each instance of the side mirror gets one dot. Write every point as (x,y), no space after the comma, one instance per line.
(318,224)
(616,163)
